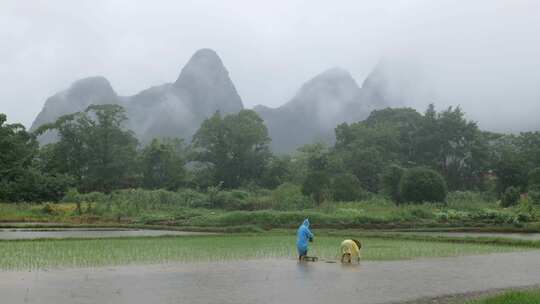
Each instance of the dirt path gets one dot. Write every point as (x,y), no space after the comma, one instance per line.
(279,281)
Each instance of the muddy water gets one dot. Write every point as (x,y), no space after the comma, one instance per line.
(279,281)
(18,234)
(522,236)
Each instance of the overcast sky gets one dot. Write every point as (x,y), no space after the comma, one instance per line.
(481,54)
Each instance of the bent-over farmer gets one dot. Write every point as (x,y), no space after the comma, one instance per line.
(350,249)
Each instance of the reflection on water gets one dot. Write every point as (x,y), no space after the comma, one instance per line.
(272,281)
(521,236)
(18,234)
(353,267)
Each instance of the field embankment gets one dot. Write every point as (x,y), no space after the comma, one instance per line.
(251,211)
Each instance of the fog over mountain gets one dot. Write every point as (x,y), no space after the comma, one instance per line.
(482,55)
(204,87)
(169,110)
(330,98)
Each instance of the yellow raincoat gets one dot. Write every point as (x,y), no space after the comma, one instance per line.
(350,247)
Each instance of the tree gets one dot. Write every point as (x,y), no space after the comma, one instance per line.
(534,177)
(420,185)
(276,172)
(94,148)
(162,164)
(235,147)
(367,163)
(390,182)
(20,177)
(453,146)
(510,170)
(347,187)
(529,144)
(17,149)
(533,185)
(364,150)
(317,185)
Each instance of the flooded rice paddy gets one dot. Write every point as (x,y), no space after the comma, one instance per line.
(61,233)
(277,280)
(519,236)
(273,281)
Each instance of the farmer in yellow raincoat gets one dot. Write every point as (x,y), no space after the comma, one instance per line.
(350,249)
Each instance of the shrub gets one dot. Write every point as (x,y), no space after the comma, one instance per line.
(390,182)
(48,209)
(233,200)
(422,185)
(469,200)
(73,196)
(534,178)
(194,199)
(510,197)
(289,196)
(347,187)
(534,194)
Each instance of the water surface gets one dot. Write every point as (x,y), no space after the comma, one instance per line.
(274,281)
(26,234)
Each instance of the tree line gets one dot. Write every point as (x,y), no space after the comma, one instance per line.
(398,152)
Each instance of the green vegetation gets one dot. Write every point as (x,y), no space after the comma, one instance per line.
(512,297)
(93,148)
(227,176)
(284,207)
(420,185)
(40,254)
(510,197)
(235,146)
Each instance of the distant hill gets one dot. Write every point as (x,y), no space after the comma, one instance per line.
(170,110)
(330,98)
(204,87)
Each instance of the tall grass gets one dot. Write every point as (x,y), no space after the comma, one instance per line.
(282,207)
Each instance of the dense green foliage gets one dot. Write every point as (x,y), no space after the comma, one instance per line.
(420,185)
(162,164)
(285,207)
(391,179)
(93,148)
(347,187)
(21,177)
(235,147)
(228,160)
(510,197)
(317,185)
(534,178)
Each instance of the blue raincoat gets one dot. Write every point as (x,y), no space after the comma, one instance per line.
(303,237)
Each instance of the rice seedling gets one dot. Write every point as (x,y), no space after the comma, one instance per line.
(45,254)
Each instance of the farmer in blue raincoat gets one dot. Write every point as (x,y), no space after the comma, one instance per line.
(304,236)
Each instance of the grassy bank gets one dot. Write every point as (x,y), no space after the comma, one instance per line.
(42,254)
(366,215)
(511,297)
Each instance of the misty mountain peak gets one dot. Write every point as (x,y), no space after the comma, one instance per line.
(334,85)
(90,90)
(205,86)
(81,94)
(94,82)
(204,65)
